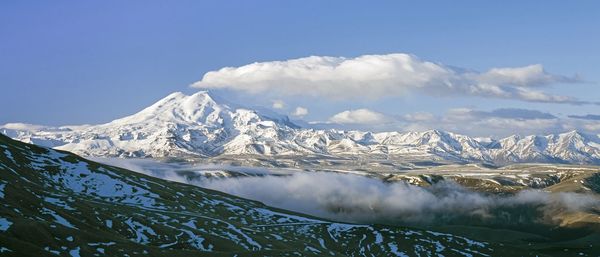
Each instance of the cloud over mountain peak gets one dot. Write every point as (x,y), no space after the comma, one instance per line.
(377,76)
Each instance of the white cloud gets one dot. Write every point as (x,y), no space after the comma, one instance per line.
(528,76)
(585,117)
(504,113)
(278,104)
(496,123)
(23,126)
(592,126)
(300,112)
(363,199)
(376,76)
(367,200)
(419,116)
(359,116)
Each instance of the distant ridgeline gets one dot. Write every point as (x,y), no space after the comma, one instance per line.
(199,127)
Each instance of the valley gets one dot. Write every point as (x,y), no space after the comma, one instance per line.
(530,202)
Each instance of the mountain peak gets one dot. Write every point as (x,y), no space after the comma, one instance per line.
(202,92)
(572,132)
(175,94)
(200,98)
(178,95)
(177,107)
(434,131)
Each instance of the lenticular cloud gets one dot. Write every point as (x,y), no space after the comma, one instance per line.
(376,76)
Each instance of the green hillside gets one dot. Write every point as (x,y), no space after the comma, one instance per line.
(54,203)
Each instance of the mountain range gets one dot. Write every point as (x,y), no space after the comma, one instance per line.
(197,125)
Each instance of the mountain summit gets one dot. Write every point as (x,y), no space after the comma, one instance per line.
(196,125)
(177,107)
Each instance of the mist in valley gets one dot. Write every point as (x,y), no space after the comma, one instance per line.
(361,199)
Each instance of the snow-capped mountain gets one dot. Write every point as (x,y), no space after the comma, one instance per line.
(176,125)
(197,125)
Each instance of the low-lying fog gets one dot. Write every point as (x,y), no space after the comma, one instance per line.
(355,198)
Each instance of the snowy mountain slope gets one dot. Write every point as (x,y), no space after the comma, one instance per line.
(196,125)
(54,203)
(175,125)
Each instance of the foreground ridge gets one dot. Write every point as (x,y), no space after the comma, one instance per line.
(79,207)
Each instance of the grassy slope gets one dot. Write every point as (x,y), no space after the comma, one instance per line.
(55,202)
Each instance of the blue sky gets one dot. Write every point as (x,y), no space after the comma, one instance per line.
(82,62)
